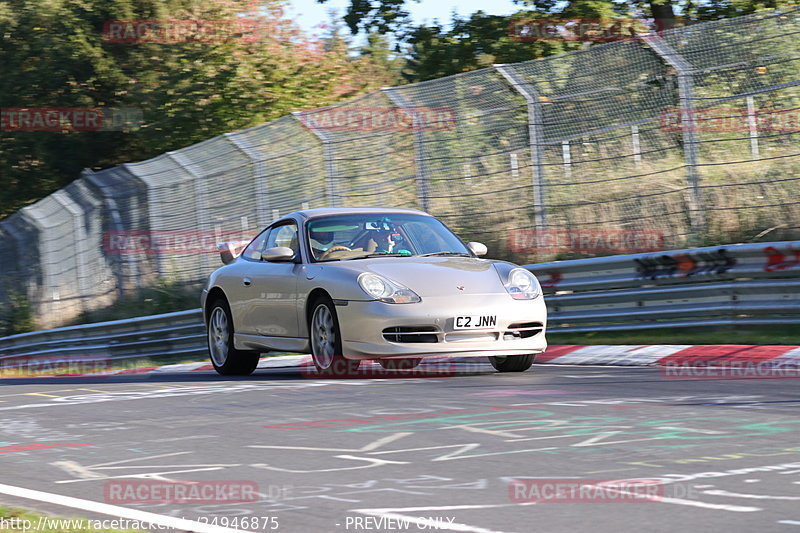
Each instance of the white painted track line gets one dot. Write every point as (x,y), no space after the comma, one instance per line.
(115,511)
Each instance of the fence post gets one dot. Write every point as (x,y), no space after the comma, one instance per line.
(514,166)
(200,197)
(330,163)
(44,305)
(567,155)
(637,149)
(536,138)
(154,217)
(81,254)
(122,259)
(420,155)
(752,125)
(260,169)
(686,94)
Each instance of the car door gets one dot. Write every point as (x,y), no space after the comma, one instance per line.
(235,280)
(269,289)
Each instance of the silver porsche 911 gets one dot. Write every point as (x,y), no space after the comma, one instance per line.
(393,285)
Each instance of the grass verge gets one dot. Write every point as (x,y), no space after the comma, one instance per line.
(164,297)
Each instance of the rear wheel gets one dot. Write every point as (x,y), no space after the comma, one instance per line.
(399,364)
(513,363)
(326,342)
(227,360)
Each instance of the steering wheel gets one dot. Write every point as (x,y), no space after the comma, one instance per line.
(337,248)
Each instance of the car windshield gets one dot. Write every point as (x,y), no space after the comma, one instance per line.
(359,236)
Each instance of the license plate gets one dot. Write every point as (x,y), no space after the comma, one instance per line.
(475,322)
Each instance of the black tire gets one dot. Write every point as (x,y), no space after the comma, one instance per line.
(227,360)
(513,363)
(400,364)
(326,341)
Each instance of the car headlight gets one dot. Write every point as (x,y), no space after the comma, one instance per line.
(387,291)
(522,285)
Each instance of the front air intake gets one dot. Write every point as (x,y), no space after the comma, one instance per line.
(523,330)
(426,334)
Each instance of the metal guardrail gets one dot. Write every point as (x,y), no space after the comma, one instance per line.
(179,334)
(701,287)
(753,284)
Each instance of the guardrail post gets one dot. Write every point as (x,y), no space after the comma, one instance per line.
(330,163)
(420,154)
(262,184)
(536,138)
(688,125)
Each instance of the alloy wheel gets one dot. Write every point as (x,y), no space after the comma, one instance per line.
(218,336)
(323,337)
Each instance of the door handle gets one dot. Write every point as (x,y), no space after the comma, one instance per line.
(247,282)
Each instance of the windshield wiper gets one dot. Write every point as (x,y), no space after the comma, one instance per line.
(381,254)
(462,254)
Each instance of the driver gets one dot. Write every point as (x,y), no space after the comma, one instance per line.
(320,241)
(381,241)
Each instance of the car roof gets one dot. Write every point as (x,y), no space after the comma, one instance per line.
(326,211)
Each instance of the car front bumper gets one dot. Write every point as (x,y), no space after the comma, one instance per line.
(363,325)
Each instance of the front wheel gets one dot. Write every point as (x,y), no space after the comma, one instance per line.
(326,341)
(513,363)
(226,359)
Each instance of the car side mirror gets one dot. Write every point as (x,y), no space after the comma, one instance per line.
(477,248)
(277,254)
(229,251)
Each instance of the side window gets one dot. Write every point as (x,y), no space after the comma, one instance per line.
(254,249)
(285,235)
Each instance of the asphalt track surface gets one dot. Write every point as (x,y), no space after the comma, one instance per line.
(464,449)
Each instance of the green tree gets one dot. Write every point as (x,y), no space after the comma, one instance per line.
(17,316)
(379,53)
(481,39)
(472,43)
(53,54)
(390,16)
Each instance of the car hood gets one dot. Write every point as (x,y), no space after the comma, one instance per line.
(435,275)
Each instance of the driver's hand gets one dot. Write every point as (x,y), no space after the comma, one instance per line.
(385,242)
